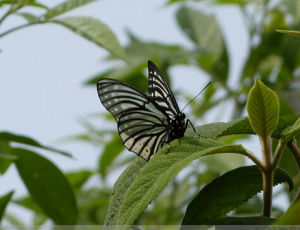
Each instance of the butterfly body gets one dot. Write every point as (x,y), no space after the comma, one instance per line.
(145,122)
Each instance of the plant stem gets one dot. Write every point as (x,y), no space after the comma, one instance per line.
(267,174)
(277,153)
(295,151)
(252,157)
(268,187)
(18,28)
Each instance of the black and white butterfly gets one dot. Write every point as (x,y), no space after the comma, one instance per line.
(145,122)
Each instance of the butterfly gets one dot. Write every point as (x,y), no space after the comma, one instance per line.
(145,122)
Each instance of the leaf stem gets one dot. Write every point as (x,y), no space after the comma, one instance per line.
(252,157)
(19,27)
(278,153)
(295,151)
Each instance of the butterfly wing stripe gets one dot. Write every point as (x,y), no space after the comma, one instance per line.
(161,92)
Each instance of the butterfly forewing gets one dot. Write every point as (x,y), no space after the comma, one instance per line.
(160,91)
(142,124)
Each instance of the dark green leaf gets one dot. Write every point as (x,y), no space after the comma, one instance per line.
(109,154)
(120,189)
(65,7)
(48,186)
(10,137)
(95,31)
(3,203)
(227,192)
(263,109)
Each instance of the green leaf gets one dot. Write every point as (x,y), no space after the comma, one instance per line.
(78,178)
(28,16)
(227,192)
(27,202)
(202,29)
(162,168)
(131,74)
(291,131)
(120,189)
(111,151)
(95,31)
(218,129)
(205,32)
(291,32)
(3,203)
(10,137)
(291,217)
(263,109)
(48,186)
(65,7)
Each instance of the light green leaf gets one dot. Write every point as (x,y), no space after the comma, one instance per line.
(65,7)
(28,16)
(263,109)
(120,189)
(291,131)
(202,29)
(48,186)
(227,192)
(11,137)
(109,154)
(291,217)
(3,203)
(292,32)
(95,31)
(161,169)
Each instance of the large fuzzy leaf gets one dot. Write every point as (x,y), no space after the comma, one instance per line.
(156,174)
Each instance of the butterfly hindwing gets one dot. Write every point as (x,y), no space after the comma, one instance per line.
(160,91)
(142,124)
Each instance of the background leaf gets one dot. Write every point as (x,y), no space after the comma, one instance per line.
(65,7)
(11,137)
(48,186)
(3,203)
(95,31)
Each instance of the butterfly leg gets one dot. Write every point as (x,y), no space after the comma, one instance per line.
(195,131)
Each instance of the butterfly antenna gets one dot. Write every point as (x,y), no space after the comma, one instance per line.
(196,95)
